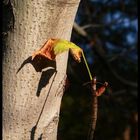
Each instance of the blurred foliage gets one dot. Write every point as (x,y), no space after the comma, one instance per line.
(111,51)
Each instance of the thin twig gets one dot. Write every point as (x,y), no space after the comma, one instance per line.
(94,110)
(79,29)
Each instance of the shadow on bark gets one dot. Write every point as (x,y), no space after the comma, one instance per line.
(40,138)
(40,63)
(44,79)
(33,133)
(33,130)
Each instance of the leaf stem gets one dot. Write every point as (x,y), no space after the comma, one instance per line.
(87,66)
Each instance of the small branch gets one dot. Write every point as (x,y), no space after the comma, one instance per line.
(94,110)
(91,25)
(117,21)
(79,30)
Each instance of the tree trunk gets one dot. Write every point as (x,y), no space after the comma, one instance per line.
(25,115)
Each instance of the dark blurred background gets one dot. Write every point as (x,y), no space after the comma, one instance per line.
(107,32)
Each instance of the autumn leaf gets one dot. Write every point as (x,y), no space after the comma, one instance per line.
(102,89)
(54,47)
(46,50)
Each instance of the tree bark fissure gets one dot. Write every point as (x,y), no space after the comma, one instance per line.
(34,23)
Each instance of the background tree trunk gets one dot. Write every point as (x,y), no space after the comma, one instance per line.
(25,115)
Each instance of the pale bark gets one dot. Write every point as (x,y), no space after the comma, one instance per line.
(35,21)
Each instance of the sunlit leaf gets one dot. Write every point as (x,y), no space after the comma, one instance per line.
(54,47)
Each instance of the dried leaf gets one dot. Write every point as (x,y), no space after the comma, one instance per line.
(102,89)
(54,47)
(46,50)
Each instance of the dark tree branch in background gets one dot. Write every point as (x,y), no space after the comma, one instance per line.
(79,30)
(122,53)
(117,21)
(124,91)
(99,50)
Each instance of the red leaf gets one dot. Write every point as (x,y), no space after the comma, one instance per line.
(102,89)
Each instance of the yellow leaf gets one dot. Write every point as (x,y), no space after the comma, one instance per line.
(54,47)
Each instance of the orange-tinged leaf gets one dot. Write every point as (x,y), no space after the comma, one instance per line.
(54,47)
(76,53)
(46,50)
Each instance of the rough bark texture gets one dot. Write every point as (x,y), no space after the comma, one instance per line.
(25,115)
